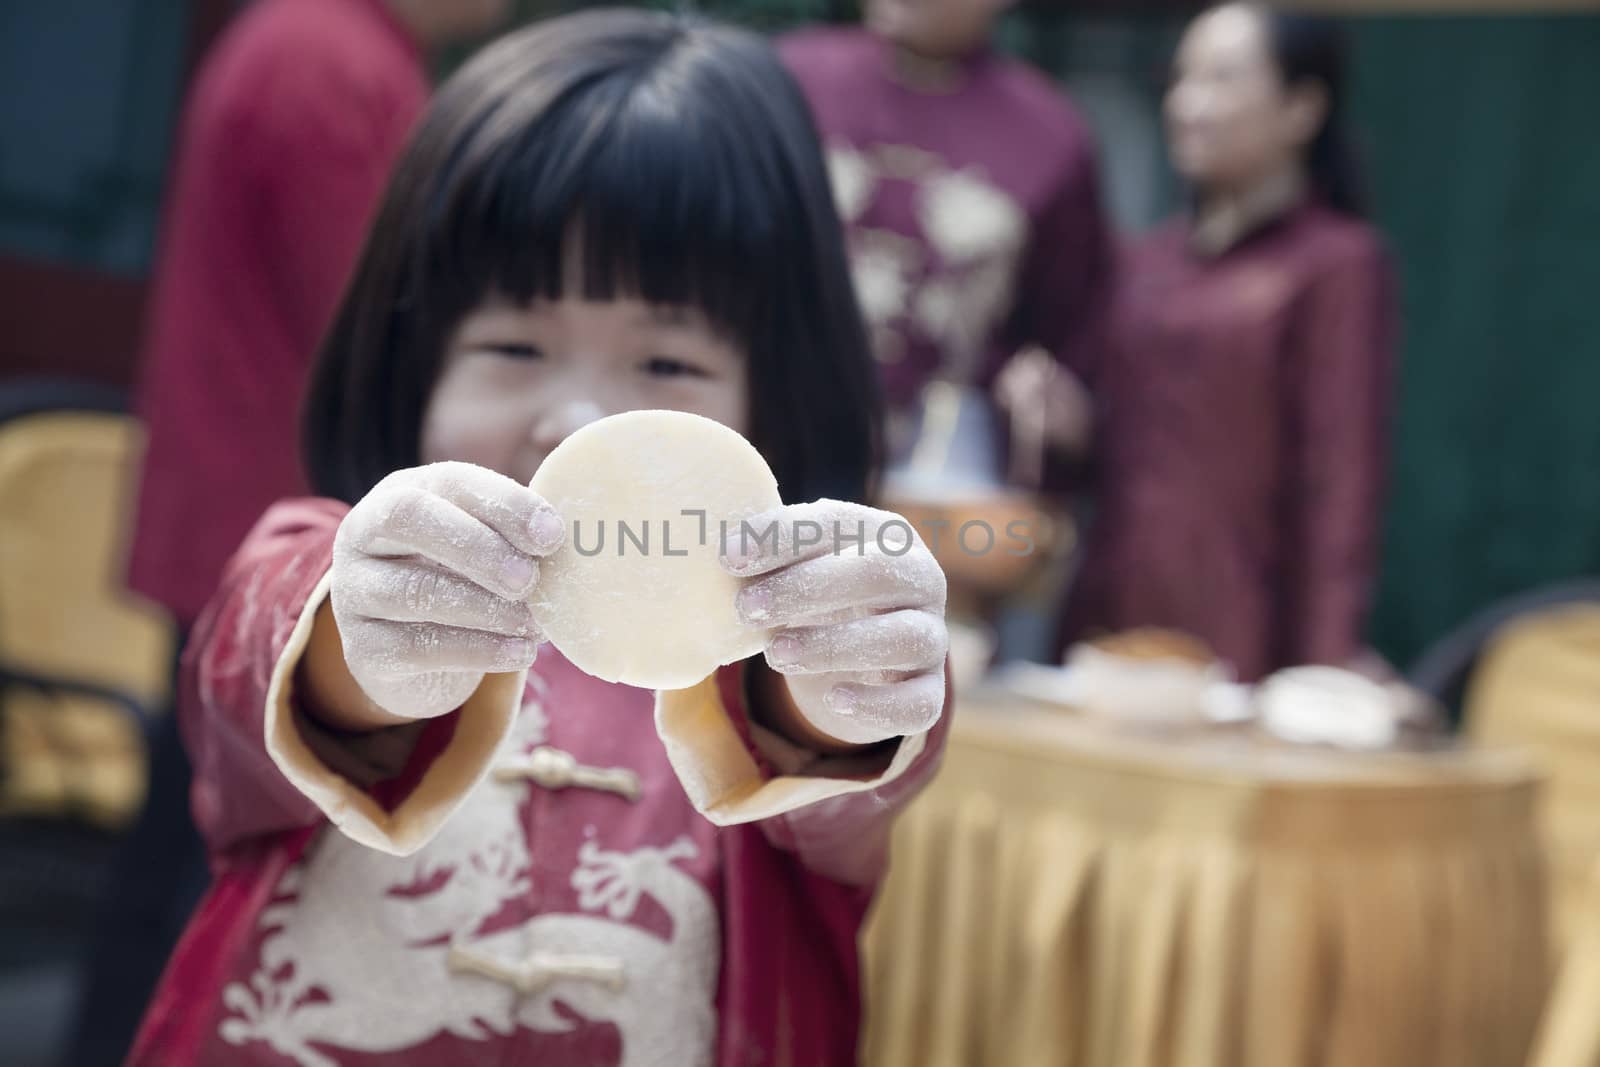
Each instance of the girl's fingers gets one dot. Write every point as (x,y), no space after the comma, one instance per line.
(405,520)
(897,708)
(863,709)
(506,506)
(396,650)
(900,641)
(783,536)
(812,589)
(417,591)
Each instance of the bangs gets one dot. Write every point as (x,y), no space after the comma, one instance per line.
(651,200)
(600,155)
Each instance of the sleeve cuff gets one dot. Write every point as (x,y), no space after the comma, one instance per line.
(725,782)
(482,723)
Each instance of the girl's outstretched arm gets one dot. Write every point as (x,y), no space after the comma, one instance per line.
(841,724)
(349,651)
(238,791)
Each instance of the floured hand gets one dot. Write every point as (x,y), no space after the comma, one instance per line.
(858,633)
(431,574)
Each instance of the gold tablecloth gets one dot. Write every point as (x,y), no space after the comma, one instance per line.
(1072,895)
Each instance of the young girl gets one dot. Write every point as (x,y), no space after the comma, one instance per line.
(611,211)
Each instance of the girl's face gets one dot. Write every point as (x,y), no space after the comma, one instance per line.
(518,379)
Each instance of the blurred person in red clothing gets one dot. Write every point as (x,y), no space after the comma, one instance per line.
(969,187)
(289,134)
(1242,413)
(286,142)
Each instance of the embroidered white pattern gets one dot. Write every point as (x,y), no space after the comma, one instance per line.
(666,1011)
(852,181)
(883,265)
(958,297)
(358,952)
(967,219)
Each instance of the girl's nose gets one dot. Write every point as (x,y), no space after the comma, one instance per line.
(553,425)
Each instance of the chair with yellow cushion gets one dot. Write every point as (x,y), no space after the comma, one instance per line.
(1537,687)
(82,666)
(1569,1035)
(1445,670)
(83,657)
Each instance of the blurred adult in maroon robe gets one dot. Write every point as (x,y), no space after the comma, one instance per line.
(1242,413)
(968,185)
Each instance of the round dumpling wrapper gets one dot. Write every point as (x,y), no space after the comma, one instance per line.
(635,593)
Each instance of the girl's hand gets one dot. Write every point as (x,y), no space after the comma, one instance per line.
(430,583)
(859,636)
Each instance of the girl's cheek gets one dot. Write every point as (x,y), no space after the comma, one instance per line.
(470,433)
(723,400)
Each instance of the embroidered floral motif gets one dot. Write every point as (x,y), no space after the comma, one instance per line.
(952,282)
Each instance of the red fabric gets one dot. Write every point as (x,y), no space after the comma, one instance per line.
(1243,421)
(238,792)
(173,1031)
(294,955)
(285,146)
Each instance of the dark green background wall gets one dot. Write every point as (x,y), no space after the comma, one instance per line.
(1485,155)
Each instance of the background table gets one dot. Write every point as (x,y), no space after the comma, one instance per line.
(1073,894)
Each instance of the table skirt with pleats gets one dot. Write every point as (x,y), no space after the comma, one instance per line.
(1064,896)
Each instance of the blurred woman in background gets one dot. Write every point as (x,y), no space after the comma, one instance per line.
(1242,415)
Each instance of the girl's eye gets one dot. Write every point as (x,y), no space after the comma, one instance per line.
(667,367)
(515,351)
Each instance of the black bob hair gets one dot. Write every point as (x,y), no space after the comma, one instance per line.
(682,159)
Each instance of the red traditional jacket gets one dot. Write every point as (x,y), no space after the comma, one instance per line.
(558,877)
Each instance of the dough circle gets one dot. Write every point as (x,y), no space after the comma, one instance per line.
(651,607)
